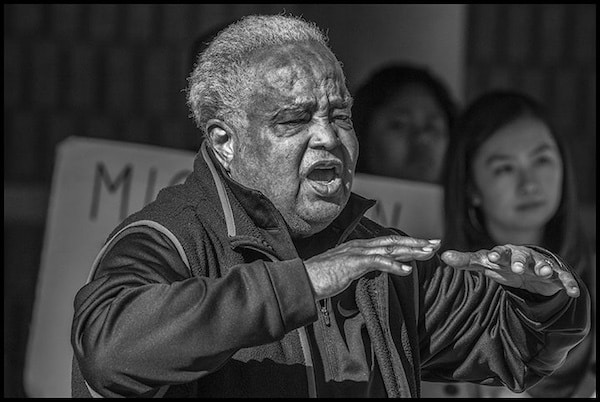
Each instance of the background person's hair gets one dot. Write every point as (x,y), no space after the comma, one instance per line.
(222,73)
(382,85)
(490,112)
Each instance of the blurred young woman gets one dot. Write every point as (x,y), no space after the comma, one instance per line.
(402,115)
(508,178)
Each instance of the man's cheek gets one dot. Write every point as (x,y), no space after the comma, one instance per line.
(257,148)
(351,149)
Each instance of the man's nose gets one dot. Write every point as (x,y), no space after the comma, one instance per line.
(324,135)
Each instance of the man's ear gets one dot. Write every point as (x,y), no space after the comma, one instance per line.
(221,139)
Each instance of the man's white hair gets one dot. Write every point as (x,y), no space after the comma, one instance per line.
(222,72)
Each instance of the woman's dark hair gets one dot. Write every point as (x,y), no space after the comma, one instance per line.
(487,114)
(382,85)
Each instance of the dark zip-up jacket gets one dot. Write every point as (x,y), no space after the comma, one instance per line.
(204,293)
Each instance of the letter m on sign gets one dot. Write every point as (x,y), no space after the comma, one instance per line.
(101,177)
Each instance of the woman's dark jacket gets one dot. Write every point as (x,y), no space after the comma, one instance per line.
(203,292)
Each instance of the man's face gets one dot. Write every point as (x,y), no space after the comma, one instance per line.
(298,147)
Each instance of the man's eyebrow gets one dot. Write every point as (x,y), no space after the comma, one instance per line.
(299,107)
(311,106)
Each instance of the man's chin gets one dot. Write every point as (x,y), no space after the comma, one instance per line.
(304,225)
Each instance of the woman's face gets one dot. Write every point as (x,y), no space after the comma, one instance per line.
(518,175)
(408,136)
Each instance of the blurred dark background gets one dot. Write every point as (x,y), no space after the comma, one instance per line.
(118,72)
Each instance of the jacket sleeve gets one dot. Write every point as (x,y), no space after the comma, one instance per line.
(576,378)
(145,322)
(474,330)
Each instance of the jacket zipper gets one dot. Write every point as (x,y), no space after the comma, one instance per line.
(325,311)
(323,303)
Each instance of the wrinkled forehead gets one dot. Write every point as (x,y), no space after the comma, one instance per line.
(300,70)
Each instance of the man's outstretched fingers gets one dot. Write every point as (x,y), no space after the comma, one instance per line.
(543,268)
(401,251)
(386,264)
(398,240)
(500,255)
(518,262)
(456,259)
(569,283)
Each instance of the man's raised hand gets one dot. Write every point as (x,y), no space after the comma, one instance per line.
(332,271)
(516,266)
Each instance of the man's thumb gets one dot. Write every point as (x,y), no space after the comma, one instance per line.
(455,258)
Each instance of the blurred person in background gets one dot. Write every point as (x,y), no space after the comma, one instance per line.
(508,179)
(402,115)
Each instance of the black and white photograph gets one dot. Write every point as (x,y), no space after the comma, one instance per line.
(299,200)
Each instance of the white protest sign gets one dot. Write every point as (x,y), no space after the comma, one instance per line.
(96,184)
(413,207)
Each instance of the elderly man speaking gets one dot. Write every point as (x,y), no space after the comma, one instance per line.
(260,277)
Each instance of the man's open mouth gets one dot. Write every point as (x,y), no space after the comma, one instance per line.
(326,177)
(325,171)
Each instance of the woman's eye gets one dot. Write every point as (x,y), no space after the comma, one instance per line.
(502,170)
(544,160)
